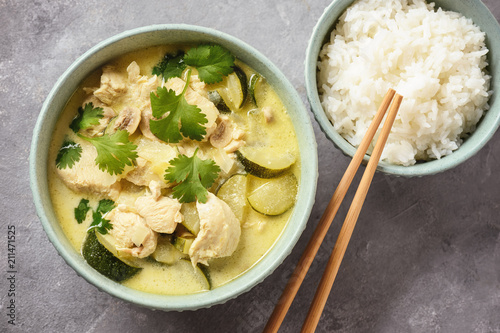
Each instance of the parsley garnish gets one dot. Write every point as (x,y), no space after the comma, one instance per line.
(114,151)
(213,62)
(86,117)
(69,153)
(193,176)
(81,210)
(172,65)
(190,117)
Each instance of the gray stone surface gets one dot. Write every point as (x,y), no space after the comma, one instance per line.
(425,256)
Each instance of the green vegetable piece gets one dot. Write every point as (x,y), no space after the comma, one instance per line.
(213,62)
(100,224)
(86,117)
(81,210)
(105,205)
(190,117)
(114,151)
(103,261)
(252,84)
(69,153)
(263,162)
(172,65)
(234,193)
(194,176)
(276,196)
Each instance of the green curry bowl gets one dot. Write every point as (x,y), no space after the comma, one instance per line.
(301,172)
(487,125)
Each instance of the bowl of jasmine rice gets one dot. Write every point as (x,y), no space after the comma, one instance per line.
(442,56)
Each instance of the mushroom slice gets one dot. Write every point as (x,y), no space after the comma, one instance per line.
(128,119)
(222,135)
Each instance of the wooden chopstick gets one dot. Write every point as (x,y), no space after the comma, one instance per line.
(340,247)
(317,237)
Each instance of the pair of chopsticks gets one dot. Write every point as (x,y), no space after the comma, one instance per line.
(340,247)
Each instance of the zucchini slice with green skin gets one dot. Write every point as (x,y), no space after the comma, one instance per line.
(166,252)
(201,273)
(103,261)
(182,239)
(191,218)
(263,162)
(232,90)
(215,98)
(275,196)
(234,193)
(252,83)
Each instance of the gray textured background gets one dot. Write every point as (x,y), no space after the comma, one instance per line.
(425,256)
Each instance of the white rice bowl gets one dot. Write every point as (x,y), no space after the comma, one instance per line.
(436,59)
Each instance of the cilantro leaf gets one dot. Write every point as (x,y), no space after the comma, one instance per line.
(86,117)
(213,62)
(69,153)
(105,205)
(114,151)
(81,210)
(172,65)
(99,223)
(194,176)
(189,117)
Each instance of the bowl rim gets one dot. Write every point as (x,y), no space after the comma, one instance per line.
(256,274)
(487,126)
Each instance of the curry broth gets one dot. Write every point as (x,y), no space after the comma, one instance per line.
(258,232)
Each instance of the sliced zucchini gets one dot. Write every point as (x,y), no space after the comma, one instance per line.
(182,239)
(104,261)
(191,217)
(275,196)
(201,273)
(263,162)
(252,84)
(233,89)
(215,98)
(165,252)
(234,193)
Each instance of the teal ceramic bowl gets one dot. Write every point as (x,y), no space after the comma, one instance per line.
(473,9)
(139,39)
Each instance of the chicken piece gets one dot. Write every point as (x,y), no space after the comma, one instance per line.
(85,175)
(267,111)
(140,88)
(113,85)
(107,113)
(161,213)
(143,174)
(199,86)
(219,231)
(194,98)
(131,233)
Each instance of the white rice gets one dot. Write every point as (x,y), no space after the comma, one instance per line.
(435,59)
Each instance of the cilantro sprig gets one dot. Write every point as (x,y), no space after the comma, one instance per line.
(99,223)
(183,119)
(193,177)
(81,211)
(86,117)
(212,61)
(172,65)
(114,151)
(69,153)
